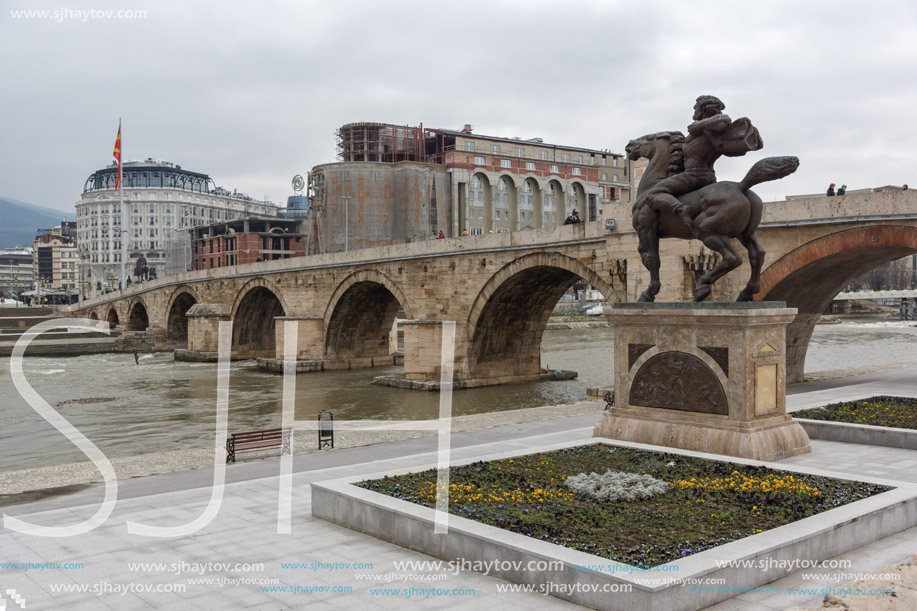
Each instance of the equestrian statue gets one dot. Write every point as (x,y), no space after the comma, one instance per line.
(141,271)
(679,196)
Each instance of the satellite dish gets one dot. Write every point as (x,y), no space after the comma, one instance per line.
(298,183)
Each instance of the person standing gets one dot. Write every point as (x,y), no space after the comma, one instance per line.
(842,190)
(441,235)
(831,190)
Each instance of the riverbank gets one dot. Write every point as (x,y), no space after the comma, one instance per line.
(66,478)
(71,477)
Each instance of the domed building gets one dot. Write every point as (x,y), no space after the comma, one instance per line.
(160,199)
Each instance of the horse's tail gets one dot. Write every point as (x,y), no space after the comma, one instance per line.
(771,168)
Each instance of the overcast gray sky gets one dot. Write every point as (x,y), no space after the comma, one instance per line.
(251,92)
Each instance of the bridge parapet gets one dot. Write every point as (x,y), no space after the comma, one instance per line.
(855,204)
(411,250)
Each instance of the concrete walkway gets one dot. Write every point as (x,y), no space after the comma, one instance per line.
(181,573)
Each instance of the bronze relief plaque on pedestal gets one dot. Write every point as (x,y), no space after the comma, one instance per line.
(678,380)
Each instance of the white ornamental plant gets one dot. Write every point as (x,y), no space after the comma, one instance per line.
(616,486)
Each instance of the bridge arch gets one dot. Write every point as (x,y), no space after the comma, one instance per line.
(511,311)
(530,203)
(810,276)
(360,315)
(507,193)
(112,318)
(554,202)
(180,302)
(256,306)
(576,200)
(482,193)
(138,318)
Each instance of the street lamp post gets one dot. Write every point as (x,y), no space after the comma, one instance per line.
(346,221)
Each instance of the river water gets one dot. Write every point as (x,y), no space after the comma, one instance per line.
(158,405)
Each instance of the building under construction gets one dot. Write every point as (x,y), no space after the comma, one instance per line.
(396,183)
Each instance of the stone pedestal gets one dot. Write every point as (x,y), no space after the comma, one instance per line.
(203,332)
(310,350)
(708,377)
(309,337)
(423,341)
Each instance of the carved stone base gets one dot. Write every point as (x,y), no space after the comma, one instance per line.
(780,437)
(314,365)
(708,377)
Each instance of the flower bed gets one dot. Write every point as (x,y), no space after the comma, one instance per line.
(707,503)
(896,412)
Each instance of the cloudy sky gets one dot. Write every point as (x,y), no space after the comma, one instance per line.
(251,92)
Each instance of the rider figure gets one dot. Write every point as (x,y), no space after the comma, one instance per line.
(700,153)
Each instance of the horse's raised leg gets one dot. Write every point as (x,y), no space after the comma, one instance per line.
(756,260)
(731,260)
(648,247)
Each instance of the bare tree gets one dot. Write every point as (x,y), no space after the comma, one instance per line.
(892,276)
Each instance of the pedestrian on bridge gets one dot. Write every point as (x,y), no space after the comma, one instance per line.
(842,190)
(831,190)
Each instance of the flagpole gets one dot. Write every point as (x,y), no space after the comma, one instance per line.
(123,211)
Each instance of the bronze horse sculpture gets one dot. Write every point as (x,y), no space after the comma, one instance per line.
(141,271)
(719,211)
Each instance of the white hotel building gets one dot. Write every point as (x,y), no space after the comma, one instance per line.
(159,199)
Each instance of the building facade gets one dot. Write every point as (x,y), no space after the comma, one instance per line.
(246,241)
(17,271)
(56,262)
(159,198)
(398,183)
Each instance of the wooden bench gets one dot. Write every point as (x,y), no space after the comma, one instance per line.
(257,440)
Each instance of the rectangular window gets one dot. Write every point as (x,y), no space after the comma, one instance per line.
(530,166)
(543,155)
(565,158)
(469,146)
(555,169)
(615,161)
(478,161)
(604,176)
(520,152)
(495,149)
(604,160)
(476,231)
(506,163)
(580,159)
(577,171)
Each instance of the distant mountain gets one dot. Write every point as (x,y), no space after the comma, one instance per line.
(20,222)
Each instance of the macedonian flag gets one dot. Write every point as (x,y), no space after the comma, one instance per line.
(117,155)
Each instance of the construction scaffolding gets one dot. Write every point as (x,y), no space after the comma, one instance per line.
(380,142)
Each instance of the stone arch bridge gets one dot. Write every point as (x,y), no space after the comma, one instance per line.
(500,289)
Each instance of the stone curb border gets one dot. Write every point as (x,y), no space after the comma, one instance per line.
(866,434)
(766,556)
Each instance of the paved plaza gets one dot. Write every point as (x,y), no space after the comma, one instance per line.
(324,566)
